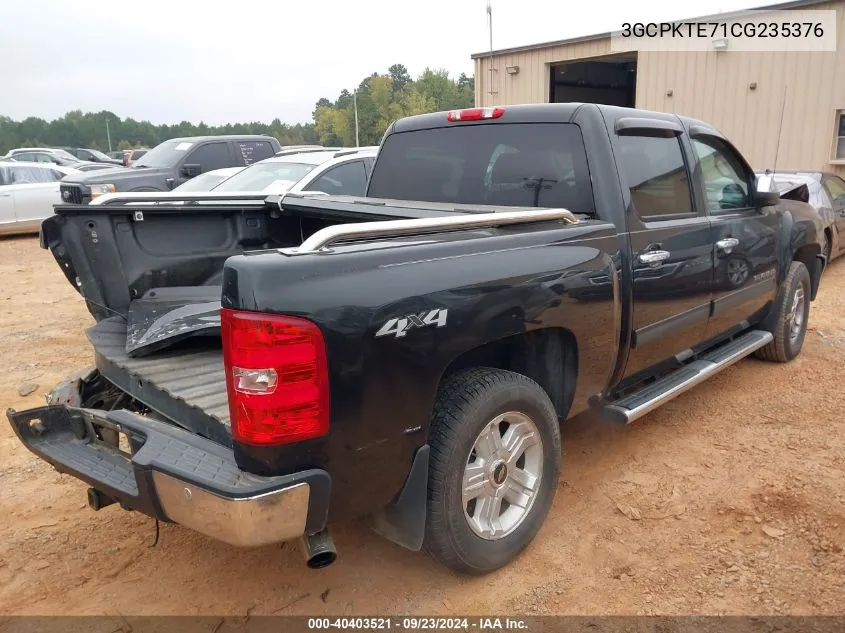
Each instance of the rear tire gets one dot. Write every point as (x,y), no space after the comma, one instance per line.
(793,312)
(495,461)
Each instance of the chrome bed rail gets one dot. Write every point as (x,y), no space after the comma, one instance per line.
(322,239)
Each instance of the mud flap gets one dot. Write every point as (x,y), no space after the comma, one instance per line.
(403,521)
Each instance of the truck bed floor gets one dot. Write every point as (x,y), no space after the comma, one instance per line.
(185,384)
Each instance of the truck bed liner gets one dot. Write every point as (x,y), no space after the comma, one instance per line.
(186,385)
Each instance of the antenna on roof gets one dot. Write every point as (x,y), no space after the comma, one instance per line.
(490,29)
(770,174)
(780,129)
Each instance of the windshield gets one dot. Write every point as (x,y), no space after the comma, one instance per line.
(165,154)
(258,177)
(60,153)
(203,182)
(506,164)
(98,154)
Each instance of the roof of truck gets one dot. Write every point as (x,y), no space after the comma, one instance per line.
(223,137)
(540,113)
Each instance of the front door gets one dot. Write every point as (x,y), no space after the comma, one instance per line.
(835,188)
(745,237)
(671,247)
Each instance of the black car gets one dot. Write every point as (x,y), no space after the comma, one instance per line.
(169,164)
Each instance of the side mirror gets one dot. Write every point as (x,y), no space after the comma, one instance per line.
(767,198)
(190,170)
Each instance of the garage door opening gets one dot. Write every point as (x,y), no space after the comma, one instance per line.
(606,80)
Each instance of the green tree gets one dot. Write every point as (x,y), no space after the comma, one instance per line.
(399,76)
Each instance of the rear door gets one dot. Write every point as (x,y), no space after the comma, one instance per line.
(745,238)
(671,243)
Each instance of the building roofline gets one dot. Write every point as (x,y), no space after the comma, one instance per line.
(794,4)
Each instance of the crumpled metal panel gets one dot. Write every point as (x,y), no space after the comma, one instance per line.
(165,316)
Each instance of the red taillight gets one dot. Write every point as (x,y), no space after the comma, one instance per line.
(475,114)
(276,377)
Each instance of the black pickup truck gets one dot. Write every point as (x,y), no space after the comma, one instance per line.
(269,366)
(169,164)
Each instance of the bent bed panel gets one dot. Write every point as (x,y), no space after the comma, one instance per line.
(188,386)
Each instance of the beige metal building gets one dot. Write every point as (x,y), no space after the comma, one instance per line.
(742,93)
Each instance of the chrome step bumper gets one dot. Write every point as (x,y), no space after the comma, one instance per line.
(174,475)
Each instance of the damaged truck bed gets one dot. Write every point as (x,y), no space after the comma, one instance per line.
(186,384)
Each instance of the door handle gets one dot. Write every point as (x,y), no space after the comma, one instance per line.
(5,195)
(653,258)
(727,244)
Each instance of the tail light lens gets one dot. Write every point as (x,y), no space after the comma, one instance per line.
(276,377)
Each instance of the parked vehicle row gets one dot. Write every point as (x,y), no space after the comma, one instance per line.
(408,355)
(171,163)
(53,156)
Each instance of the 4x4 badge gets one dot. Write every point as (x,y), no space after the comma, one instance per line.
(399,327)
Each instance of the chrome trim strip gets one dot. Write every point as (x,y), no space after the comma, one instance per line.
(320,240)
(706,369)
(249,522)
(175,196)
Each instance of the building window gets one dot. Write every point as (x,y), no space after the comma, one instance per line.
(839,146)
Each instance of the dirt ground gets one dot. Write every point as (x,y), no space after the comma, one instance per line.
(728,500)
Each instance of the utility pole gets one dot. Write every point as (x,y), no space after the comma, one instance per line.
(490,27)
(355,106)
(108,134)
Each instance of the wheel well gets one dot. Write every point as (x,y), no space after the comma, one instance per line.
(807,255)
(549,357)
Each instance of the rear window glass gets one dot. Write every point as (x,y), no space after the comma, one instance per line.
(507,164)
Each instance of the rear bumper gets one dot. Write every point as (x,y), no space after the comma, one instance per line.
(174,475)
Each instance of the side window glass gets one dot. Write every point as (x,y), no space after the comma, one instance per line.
(210,157)
(254,151)
(656,174)
(24,175)
(723,177)
(348,179)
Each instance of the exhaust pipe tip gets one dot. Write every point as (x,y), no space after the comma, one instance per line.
(319,550)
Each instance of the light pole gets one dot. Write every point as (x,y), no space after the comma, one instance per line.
(355,107)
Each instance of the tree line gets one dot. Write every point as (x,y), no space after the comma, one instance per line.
(381,98)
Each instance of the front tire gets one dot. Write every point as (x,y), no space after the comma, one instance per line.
(495,461)
(793,312)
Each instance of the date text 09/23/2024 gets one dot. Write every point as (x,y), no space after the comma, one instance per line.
(419,624)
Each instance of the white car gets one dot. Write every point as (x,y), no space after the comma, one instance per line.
(334,172)
(208,180)
(28,192)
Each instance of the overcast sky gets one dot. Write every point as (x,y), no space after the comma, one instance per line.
(253,60)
